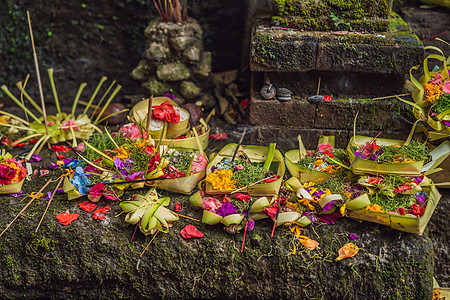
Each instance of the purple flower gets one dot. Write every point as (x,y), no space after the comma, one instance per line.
(330,218)
(226,209)
(122,167)
(35,158)
(49,195)
(170,96)
(418,179)
(328,206)
(251,224)
(54,166)
(310,215)
(137,175)
(352,236)
(422,197)
(17,195)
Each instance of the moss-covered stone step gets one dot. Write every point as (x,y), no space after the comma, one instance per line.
(334,115)
(95,259)
(277,49)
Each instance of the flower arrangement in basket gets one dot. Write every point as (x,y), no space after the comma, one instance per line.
(312,165)
(230,210)
(255,170)
(12,174)
(170,123)
(403,203)
(431,95)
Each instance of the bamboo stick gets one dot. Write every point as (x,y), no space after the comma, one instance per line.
(26,206)
(49,202)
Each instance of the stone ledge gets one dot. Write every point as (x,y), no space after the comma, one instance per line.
(333,115)
(279,49)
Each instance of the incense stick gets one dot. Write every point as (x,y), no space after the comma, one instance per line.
(26,206)
(242,188)
(36,64)
(149,243)
(49,202)
(318,88)
(393,96)
(149,114)
(246,224)
(276,219)
(238,145)
(360,150)
(186,217)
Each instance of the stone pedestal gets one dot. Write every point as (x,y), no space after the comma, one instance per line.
(354,60)
(174,60)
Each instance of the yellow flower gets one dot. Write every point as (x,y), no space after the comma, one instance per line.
(432,91)
(4,119)
(122,153)
(40,195)
(373,207)
(221,179)
(14,167)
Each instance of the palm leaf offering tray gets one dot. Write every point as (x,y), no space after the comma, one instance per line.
(230,210)
(431,96)
(60,127)
(312,165)
(404,203)
(12,174)
(170,123)
(255,170)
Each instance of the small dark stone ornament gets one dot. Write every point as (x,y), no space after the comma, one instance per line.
(284,94)
(268,91)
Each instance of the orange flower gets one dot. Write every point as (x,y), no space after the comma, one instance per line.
(373,207)
(348,250)
(432,91)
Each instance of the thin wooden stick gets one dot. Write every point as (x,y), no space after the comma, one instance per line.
(26,206)
(49,202)
(238,145)
(318,88)
(21,95)
(119,214)
(244,187)
(393,96)
(36,64)
(149,243)
(186,217)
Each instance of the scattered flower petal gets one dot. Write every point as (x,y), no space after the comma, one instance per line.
(348,250)
(352,236)
(178,207)
(80,147)
(60,148)
(44,172)
(87,206)
(218,136)
(66,218)
(190,231)
(35,158)
(17,195)
(101,212)
(49,195)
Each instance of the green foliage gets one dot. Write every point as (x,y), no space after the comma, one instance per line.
(248,175)
(392,203)
(102,142)
(415,151)
(180,160)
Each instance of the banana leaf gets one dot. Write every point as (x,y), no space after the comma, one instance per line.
(139,113)
(149,211)
(212,218)
(415,225)
(305,174)
(12,188)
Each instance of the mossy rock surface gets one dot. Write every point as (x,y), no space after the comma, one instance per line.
(96,259)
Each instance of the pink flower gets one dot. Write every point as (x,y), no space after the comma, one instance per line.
(446,89)
(323,147)
(80,147)
(68,124)
(199,164)
(131,130)
(211,204)
(239,167)
(437,80)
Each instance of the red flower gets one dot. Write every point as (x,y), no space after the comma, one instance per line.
(66,218)
(190,231)
(403,188)
(166,113)
(101,212)
(177,206)
(272,179)
(328,153)
(327,98)
(60,148)
(401,211)
(245,103)
(418,210)
(271,211)
(218,136)
(375,180)
(60,156)
(242,197)
(87,206)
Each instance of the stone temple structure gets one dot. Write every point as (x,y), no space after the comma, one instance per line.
(357,49)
